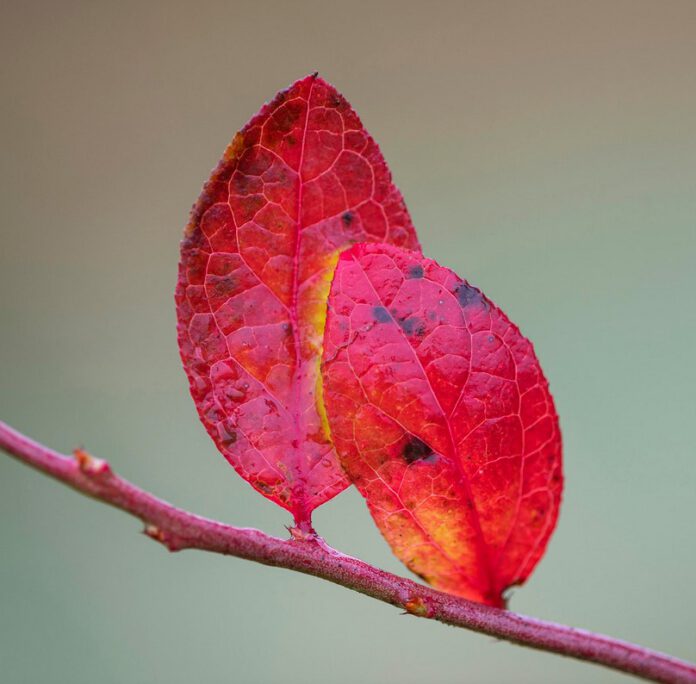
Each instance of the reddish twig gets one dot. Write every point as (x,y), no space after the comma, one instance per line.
(178,530)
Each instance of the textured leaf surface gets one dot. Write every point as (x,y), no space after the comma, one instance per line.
(443,419)
(302,181)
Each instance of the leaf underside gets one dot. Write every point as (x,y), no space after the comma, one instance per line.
(443,419)
(301,182)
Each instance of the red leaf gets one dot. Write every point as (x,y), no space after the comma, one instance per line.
(302,181)
(443,419)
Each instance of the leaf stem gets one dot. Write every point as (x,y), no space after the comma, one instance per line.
(177,530)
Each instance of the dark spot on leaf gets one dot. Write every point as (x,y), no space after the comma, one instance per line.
(466,295)
(285,117)
(236,394)
(415,271)
(417,450)
(227,437)
(381,314)
(271,406)
(250,205)
(347,218)
(244,184)
(197,262)
(224,286)
(412,326)
(213,415)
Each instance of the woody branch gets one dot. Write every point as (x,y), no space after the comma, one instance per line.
(178,530)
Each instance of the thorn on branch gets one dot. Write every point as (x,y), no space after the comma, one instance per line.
(90,465)
(299,534)
(159,535)
(418,606)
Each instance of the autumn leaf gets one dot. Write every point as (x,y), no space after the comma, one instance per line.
(443,419)
(302,181)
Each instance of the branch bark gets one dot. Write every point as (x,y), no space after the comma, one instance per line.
(177,530)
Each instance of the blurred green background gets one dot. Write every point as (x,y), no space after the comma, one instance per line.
(547,152)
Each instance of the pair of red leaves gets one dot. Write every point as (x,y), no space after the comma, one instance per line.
(323,349)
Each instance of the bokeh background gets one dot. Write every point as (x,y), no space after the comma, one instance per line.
(547,152)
